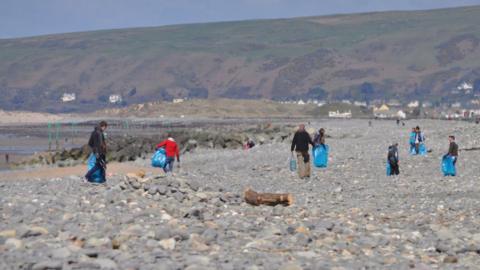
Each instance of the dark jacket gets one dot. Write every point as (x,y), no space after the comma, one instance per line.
(453,149)
(319,138)
(300,141)
(97,142)
(392,154)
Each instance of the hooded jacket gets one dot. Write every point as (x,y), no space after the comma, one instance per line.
(97,141)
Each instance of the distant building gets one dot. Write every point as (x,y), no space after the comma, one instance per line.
(321,103)
(413,104)
(456,105)
(301,102)
(394,103)
(360,103)
(115,99)
(68,97)
(383,108)
(346,101)
(465,86)
(427,104)
(401,114)
(337,114)
(178,100)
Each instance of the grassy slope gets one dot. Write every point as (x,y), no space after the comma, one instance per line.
(402,47)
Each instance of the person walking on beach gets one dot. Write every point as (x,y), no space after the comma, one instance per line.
(7,158)
(393,159)
(419,139)
(99,148)
(249,143)
(300,143)
(319,138)
(452,149)
(171,151)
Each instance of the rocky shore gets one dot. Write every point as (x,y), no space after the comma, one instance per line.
(131,147)
(349,216)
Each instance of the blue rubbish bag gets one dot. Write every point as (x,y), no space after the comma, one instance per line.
(293,164)
(159,159)
(96,176)
(389,169)
(412,143)
(320,156)
(448,168)
(422,149)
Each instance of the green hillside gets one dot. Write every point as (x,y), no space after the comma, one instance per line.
(403,55)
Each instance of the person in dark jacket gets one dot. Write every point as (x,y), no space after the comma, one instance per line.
(99,149)
(320,138)
(300,143)
(393,159)
(452,149)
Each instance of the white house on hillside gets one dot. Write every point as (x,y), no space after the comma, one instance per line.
(413,104)
(68,97)
(337,114)
(115,99)
(178,100)
(465,86)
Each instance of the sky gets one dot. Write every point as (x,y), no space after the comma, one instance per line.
(21,18)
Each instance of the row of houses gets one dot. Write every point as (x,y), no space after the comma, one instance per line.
(70,97)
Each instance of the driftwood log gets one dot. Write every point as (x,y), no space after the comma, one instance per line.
(272,199)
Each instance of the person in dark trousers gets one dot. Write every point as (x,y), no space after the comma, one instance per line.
(419,138)
(452,149)
(7,158)
(171,151)
(393,159)
(99,148)
(300,143)
(320,138)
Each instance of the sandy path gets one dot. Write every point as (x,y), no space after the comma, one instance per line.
(80,170)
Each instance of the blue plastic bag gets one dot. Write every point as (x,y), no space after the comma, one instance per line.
(159,159)
(96,176)
(422,149)
(320,156)
(448,168)
(389,169)
(293,164)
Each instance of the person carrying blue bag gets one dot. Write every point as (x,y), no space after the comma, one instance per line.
(393,167)
(413,135)
(320,150)
(300,145)
(449,160)
(420,148)
(97,160)
(171,151)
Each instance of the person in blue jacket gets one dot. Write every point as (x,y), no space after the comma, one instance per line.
(413,135)
(419,139)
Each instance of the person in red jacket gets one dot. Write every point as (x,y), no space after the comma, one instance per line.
(171,151)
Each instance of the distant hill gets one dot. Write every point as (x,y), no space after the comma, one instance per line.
(402,55)
(231,108)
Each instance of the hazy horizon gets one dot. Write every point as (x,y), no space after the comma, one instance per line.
(22,18)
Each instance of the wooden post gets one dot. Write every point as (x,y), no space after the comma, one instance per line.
(272,199)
